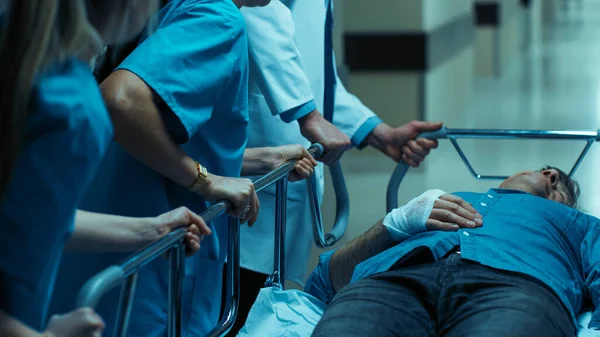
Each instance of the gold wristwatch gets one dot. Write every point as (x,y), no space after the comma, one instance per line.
(200,179)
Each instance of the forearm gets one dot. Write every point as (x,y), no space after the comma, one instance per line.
(258,161)
(345,259)
(96,232)
(12,327)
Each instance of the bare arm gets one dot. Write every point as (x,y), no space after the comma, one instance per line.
(341,266)
(139,128)
(110,233)
(260,161)
(83,322)
(12,327)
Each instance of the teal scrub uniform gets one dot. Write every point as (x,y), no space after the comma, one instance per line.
(197,63)
(67,133)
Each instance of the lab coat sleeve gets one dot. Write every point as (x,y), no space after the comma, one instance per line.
(275,62)
(352,117)
(590,253)
(318,283)
(189,61)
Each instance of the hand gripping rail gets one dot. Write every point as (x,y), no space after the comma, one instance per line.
(342,214)
(126,272)
(453,134)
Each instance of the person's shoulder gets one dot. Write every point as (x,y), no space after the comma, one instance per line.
(220,13)
(67,96)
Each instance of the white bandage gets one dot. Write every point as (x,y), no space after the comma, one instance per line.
(411,219)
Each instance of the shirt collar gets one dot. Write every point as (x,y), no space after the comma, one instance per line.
(499,191)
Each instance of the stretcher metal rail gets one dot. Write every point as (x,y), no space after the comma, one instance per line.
(453,134)
(126,272)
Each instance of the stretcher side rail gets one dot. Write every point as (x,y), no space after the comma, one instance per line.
(453,134)
(126,272)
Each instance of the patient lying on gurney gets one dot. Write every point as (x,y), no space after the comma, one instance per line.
(516,261)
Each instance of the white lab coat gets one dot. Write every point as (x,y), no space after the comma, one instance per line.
(286,49)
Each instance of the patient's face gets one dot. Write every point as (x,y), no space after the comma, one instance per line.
(548,183)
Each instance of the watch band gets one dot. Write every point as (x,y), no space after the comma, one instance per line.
(200,179)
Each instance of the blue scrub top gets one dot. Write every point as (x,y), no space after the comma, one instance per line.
(68,131)
(197,63)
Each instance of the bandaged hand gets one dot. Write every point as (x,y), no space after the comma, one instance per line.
(432,210)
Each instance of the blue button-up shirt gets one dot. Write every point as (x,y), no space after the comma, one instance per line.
(522,233)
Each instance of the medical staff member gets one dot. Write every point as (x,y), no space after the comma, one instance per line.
(54,131)
(287,44)
(179,106)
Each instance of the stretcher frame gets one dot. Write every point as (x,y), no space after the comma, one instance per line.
(125,274)
(453,134)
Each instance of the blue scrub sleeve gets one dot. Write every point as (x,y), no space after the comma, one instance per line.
(359,139)
(298,112)
(318,283)
(189,60)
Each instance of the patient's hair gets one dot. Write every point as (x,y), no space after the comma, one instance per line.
(571,185)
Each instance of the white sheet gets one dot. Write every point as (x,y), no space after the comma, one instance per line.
(293,313)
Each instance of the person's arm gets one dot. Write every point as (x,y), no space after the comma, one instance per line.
(262,160)
(140,130)
(82,322)
(12,327)
(590,253)
(96,232)
(278,70)
(446,213)
(344,260)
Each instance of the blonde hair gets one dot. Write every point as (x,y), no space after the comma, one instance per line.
(37,33)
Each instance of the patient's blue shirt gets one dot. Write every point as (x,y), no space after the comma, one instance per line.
(522,233)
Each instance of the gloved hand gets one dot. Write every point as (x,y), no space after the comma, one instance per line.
(432,210)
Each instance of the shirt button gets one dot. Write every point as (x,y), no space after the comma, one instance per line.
(466,233)
(490,196)
(483,204)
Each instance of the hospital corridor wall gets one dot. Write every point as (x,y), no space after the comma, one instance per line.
(552,82)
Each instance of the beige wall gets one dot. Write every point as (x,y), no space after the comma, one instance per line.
(497,47)
(367,16)
(448,89)
(486,62)
(405,15)
(549,10)
(438,12)
(510,35)
(391,95)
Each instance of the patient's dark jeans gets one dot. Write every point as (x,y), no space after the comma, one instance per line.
(451,297)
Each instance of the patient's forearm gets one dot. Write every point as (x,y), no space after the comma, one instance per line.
(345,259)
(110,233)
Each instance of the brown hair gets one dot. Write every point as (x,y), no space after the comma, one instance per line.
(32,37)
